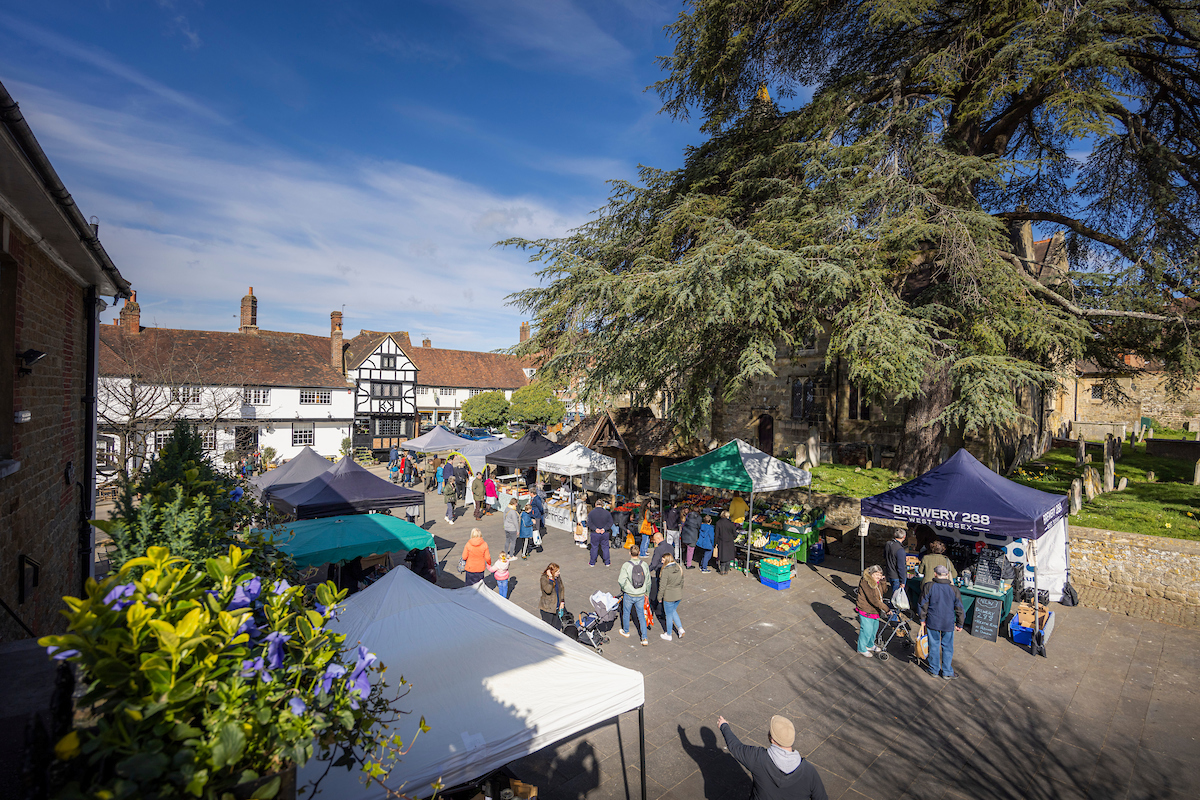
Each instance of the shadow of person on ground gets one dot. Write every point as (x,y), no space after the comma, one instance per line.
(723,776)
(837,623)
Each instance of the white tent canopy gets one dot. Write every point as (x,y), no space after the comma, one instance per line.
(493,682)
(438,440)
(575,459)
(476,451)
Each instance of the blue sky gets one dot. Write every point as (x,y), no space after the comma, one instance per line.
(332,154)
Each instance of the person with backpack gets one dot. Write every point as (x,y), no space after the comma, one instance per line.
(634,580)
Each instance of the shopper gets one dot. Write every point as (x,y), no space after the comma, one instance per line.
(634,581)
(669,595)
(512,528)
(937,557)
(476,556)
(490,492)
(537,510)
(554,598)
(599,522)
(738,508)
(500,572)
(646,527)
(661,548)
(441,468)
(450,493)
(393,454)
(671,523)
(705,542)
(525,533)
(777,772)
(870,608)
(726,534)
(424,563)
(690,533)
(477,494)
(941,612)
(430,472)
(895,560)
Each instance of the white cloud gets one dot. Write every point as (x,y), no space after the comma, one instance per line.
(192,220)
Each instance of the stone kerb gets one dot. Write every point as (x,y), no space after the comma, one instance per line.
(1136,564)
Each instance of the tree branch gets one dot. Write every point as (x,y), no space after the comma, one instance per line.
(1074,309)
(1046,216)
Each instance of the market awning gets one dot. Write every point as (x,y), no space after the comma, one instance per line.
(476,452)
(438,440)
(576,459)
(738,467)
(347,488)
(301,468)
(963,494)
(524,452)
(334,539)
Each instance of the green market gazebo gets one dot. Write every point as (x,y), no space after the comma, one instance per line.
(330,540)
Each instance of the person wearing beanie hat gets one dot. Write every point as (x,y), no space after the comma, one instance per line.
(941,611)
(778,772)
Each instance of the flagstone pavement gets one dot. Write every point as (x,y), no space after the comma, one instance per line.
(1113,711)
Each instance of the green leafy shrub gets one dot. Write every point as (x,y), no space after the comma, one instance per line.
(204,678)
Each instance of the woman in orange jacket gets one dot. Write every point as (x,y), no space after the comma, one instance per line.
(477,557)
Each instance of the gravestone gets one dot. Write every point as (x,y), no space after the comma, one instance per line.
(944,454)
(1108,474)
(1080,451)
(1087,459)
(1091,483)
(1150,476)
(1076,496)
(877,455)
(1121,484)
(985,617)
(1149,433)
(814,446)
(1196,478)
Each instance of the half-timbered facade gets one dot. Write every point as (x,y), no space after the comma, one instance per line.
(385,381)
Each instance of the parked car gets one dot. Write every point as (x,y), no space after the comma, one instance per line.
(472,433)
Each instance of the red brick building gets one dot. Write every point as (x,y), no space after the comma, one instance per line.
(53,272)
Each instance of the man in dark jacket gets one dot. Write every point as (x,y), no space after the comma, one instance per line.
(661,548)
(393,454)
(599,522)
(726,534)
(778,772)
(941,611)
(895,560)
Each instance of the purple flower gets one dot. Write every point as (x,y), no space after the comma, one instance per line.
(116,596)
(245,594)
(280,586)
(297,706)
(249,627)
(236,494)
(331,672)
(359,681)
(275,641)
(60,655)
(250,668)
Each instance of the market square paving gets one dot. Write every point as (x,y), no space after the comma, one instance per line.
(1113,711)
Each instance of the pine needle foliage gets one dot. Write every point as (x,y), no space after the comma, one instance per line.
(883,208)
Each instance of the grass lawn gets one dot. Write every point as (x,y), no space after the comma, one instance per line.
(843,480)
(1169,507)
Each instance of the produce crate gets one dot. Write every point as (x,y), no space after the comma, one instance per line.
(777,585)
(774,571)
(1022,635)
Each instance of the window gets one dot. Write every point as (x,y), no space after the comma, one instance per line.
(311,397)
(860,408)
(473,392)
(189,395)
(444,392)
(379,389)
(161,438)
(257,397)
(302,434)
(808,400)
(1097,391)
(426,416)
(208,438)
(387,362)
(422,390)
(389,426)
(443,416)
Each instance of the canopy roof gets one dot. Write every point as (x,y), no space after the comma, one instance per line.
(301,468)
(437,440)
(524,452)
(334,539)
(346,488)
(476,451)
(534,686)
(963,494)
(575,459)
(739,467)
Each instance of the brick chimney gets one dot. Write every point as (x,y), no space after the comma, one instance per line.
(335,341)
(131,315)
(524,331)
(426,343)
(249,312)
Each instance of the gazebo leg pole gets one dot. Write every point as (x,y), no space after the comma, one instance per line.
(642,746)
(749,530)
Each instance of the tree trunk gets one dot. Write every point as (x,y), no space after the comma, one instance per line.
(921,442)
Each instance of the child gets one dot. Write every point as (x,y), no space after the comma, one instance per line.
(394,469)
(704,542)
(500,570)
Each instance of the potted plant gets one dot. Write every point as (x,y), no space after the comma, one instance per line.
(208,680)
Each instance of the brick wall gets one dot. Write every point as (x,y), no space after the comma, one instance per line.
(39,509)
(1130,563)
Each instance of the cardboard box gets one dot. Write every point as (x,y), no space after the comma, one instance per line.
(1025,615)
(522,790)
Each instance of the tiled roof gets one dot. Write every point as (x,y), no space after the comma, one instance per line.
(643,433)
(361,346)
(217,358)
(467,369)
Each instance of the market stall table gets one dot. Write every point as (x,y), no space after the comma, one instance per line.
(970,593)
(558,514)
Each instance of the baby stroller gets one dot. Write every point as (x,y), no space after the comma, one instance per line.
(895,625)
(604,610)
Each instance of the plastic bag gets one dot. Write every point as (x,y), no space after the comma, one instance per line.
(923,646)
(900,600)
(646,610)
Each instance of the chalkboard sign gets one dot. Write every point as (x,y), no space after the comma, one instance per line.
(985,619)
(989,572)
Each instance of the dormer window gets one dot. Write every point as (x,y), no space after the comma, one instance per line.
(529,372)
(387,362)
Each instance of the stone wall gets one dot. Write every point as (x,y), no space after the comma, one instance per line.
(39,505)
(1148,566)
(1186,449)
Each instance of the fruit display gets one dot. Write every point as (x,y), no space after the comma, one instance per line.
(759,541)
(782,544)
(778,562)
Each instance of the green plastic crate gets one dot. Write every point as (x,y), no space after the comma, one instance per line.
(774,572)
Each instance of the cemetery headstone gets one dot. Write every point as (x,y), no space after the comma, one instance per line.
(1150,476)
(1121,484)
(1076,496)
(1080,451)
(1196,478)
(1109,468)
